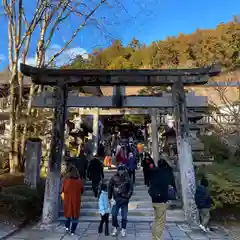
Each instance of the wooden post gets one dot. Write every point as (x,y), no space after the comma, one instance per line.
(95,131)
(154,135)
(52,186)
(187,175)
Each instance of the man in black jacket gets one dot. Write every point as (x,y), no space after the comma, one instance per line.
(95,173)
(159,180)
(120,188)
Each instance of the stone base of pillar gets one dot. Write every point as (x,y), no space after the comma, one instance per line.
(188,182)
(52,197)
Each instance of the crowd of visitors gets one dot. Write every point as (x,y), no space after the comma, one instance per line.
(115,195)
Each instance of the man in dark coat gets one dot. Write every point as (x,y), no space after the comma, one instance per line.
(159,180)
(80,163)
(83,164)
(95,173)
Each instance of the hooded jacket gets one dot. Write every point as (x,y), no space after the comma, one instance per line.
(103,203)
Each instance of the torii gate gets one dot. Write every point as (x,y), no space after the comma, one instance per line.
(61,79)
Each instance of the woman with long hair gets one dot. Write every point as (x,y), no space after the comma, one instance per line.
(72,190)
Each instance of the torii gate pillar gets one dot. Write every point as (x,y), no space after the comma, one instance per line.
(154,135)
(185,161)
(52,186)
(95,131)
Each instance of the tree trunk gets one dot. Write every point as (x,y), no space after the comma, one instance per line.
(13,154)
(24,134)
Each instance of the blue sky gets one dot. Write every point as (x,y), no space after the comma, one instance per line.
(147,20)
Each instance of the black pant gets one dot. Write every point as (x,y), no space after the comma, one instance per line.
(74,222)
(132,175)
(104,219)
(95,186)
(146,177)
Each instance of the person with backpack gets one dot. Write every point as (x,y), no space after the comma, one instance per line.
(204,203)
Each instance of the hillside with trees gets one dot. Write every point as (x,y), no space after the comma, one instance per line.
(201,48)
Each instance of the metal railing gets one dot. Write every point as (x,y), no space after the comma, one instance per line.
(219,118)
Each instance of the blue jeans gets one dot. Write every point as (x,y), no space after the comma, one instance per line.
(124,213)
(74,222)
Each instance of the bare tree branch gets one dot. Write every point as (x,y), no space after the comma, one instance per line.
(75,33)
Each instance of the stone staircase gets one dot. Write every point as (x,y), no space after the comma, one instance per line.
(140,205)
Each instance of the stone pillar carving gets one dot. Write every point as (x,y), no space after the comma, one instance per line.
(95,131)
(154,134)
(52,186)
(33,156)
(187,175)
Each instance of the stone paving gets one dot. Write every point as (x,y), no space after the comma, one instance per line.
(6,228)
(138,231)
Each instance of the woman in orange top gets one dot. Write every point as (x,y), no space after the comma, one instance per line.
(72,190)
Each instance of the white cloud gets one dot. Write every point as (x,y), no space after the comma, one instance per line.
(2,57)
(65,57)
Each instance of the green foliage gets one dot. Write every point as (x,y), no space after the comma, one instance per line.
(22,202)
(201,48)
(224,186)
(214,146)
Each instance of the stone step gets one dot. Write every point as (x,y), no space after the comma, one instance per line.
(88,187)
(90,199)
(111,173)
(133,204)
(141,193)
(88,183)
(131,212)
(173,216)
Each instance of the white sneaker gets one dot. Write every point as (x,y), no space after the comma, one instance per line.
(123,232)
(208,229)
(114,232)
(66,230)
(203,228)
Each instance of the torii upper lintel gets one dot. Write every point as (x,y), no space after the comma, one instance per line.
(124,77)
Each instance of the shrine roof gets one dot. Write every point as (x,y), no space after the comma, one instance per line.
(127,77)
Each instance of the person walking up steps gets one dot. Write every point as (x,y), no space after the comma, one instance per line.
(203,202)
(95,174)
(160,181)
(72,190)
(121,189)
(132,166)
(104,209)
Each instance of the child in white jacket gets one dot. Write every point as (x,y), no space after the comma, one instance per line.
(104,209)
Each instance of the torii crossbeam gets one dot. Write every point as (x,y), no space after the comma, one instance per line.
(129,77)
